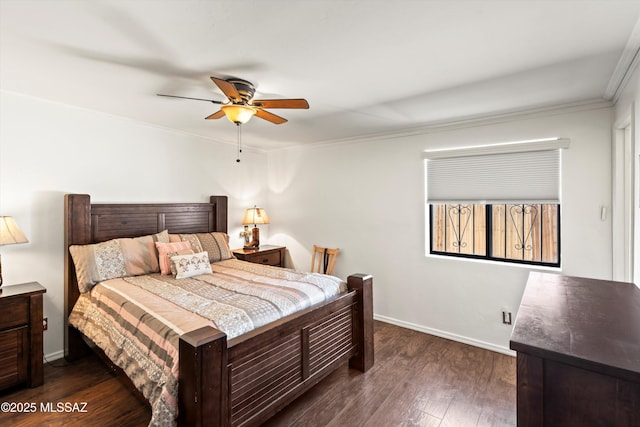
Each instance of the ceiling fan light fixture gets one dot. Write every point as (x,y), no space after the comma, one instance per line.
(238,113)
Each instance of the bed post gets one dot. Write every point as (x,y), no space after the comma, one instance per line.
(77,231)
(363,285)
(203,383)
(220,203)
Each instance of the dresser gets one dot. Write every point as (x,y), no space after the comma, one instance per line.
(578,352)
(21,328)
(265,254)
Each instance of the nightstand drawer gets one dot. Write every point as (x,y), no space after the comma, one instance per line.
(15,313)
(272,258)
(266,255)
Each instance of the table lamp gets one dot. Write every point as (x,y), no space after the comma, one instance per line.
(254,216)
(10,234)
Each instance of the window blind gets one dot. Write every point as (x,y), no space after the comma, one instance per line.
(511,173)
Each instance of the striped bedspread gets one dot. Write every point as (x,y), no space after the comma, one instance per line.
(137,320)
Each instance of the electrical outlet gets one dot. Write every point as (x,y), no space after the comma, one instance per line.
(45,324)
(506,317)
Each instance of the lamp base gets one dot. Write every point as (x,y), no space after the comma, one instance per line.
(255,239)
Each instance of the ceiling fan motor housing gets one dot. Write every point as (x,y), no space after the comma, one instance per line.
(244,88)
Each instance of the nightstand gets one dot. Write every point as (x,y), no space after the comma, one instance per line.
(265,254)
(21,351)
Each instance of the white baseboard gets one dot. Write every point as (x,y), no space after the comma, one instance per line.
(447,335)
(53,356)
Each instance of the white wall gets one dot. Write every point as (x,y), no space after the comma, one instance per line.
(367,199)
(48,149)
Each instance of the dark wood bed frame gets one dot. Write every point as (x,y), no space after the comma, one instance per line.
(245,380)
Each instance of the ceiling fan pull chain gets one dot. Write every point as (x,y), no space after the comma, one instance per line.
(239,143)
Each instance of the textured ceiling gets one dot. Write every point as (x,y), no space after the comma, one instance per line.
(366,67)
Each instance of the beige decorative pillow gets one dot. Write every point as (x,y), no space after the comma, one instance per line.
(115,258)
(215,244)
(191,265)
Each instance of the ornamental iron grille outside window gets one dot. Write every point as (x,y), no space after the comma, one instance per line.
(499,202)
(521,233)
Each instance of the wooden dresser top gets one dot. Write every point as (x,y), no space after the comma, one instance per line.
(593,324)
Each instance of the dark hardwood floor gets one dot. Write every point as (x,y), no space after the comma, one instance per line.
(417,380)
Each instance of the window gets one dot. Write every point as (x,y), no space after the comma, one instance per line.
(528,233)
(499,202)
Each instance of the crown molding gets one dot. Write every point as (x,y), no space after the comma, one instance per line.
(625,67)
(465,122)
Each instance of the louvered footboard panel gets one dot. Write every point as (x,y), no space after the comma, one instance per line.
(259,380)
(330,340)
(264,378)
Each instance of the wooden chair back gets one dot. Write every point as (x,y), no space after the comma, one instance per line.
(323,260)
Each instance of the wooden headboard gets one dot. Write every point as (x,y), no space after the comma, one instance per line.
(86,223)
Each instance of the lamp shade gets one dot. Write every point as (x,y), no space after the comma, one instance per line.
(238,113)
(255,216)
(10,233)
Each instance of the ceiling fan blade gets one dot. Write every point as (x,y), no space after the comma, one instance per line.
(228,89)
(281,103)
(270,117)
(186,97)
(217,115)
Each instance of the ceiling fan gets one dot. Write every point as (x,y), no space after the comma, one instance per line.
(241,106)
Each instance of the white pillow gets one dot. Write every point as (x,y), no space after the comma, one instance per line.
(191,265)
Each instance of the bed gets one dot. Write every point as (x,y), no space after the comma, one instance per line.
(241,379)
